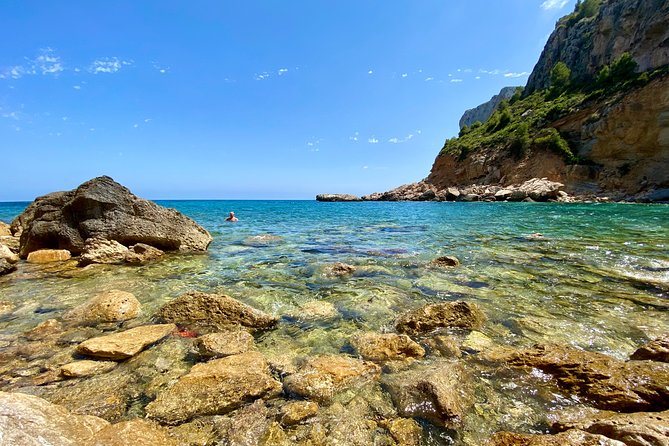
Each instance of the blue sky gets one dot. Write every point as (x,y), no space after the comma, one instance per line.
(253,99)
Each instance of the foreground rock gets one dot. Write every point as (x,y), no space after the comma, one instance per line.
(27,420)
(5,229)
(386,347)
(297,411)
(134,432)
(656,350)
(339,269)
(123,345)
(213,311)
(228,343)
(7,254)
(6,267)
(322,377)
(457,314)
(440,393)
(445,261)
(337,197)
(109,306)
(98,250)
(49,255)
(605,382)
(570,438)
(102,208)
(81,369)
(216,387)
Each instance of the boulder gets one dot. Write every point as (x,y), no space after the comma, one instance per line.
(213,311)
(440,393)
(570,438)
(405,431)
(228,343)
(470,197)
(215,387)
(296,412)
(142,253)
(634,429)
(12,242)
(517,195)
(27,420)
(44,330)
(102,208)
(386,347)
(322,377)
(7,254)
(6,267)
(656,350)
(109,306)
(456,314)
(133,432)
(123,345)
(315,310)
(5,229)
(502,195)
(253,425)
(337,197)
(81,369)
(605,382)
(339,269)
(99,250)
(541,189)
(445,261)
(452,193)
(49,255)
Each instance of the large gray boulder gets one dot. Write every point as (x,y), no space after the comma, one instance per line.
(102,208)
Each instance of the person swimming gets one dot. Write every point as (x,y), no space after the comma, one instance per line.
(232,217)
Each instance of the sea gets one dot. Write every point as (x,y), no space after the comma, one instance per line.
(591,275)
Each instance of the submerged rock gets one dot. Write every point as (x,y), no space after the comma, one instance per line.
(297,411)
(141,253)
(458,314)
(49,255)
(109,306)
(322,377)
(102,208)
(445,261)
(28,420)
(570,438)
(339,269)
(386,347)
(6,267)
(137,432)
(656,350)
(227,343)
(80,369)
(262,240)
(215,387)
(123,345)
(213,311)
(315,310)
(44,329)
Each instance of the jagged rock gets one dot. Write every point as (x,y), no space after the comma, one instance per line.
(297,411)
(7,254)
(485,110)
(470,197)
(6,267)
(541,189)
(606,383)
(656,350)
(337,197)
(406,192)
(457,314)
(386,347)
(141,253)
(43,330)
(133,432)
(5,229)
(28,420)
(102,208)
(635,429)
(99,250)
(213,311)
(12,242)
(49,255)
(440,393)
(215,387)
(123,345)
(452,193)
(80,369)
(405,431)
(569,438)
(109,306)
(446,261)
(228,343)
(322,377)
(502,195)
(339,269)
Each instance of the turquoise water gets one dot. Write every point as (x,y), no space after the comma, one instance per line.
(598,278)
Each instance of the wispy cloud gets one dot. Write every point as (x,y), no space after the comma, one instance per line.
(46,62)
(373,140)
(354,137)
(370,72)
(428,79)
(404,75)
(456,81)
(523,74)
(160,68)
(401,140)
(107,65)
(282,71)
(261,76)
(554,4)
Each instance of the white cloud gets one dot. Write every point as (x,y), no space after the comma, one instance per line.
(77,87)
(393,140)
(148,120)
(107,65)
(310,144)
(373,140)
(456,81)
(428,79)
(401,140)
(404,75)
(365,167)
(354,137)
(135,126)
(477,77)
(511,74)
(370,72)
(262,76)
(282,71)
(554,4)
(47,62)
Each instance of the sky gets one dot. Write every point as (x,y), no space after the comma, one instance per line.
(249,100)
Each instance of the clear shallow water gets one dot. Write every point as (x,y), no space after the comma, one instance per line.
(598,279)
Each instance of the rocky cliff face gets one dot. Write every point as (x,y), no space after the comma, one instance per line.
(485,110)
(639,27)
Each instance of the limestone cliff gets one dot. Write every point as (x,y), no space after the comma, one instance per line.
(485,110)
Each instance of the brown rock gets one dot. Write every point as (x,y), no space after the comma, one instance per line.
(316,309)
(100,250)
(337,197)
(443,346)
(7,254)
(215,387)
(322,377)
(213,311)
(339,269)
(253,426)
(49,255)
(227,343)
(656,350)
(297,411)
(4,229)
(137,432)
(141,253)
(570,438)
(386,347)
(445,261)
(44,329)
(108,306)
(440,393)
(635,429)
(6,307)
(27,420)
(80,369)
(456,314)
(405,431)
(123,345)
(13,243)
(6,267)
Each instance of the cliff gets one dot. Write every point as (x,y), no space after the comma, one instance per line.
(485,110)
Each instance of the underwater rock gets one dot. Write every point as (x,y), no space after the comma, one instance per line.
(440,392)
(213,311)
(262,240)
(569,438)
(28,420)
(405,431)
(123,345)
(227,343)
(634,429)
(214,388)
(141,253)
(476,342)
(339,269)
(386,347)
(49,255)
(297,411)
(607,383)
(458,314)
(655,350)
(315,310)
(43,330)
(322,377)
(133,432)
(442,345)
(86,367)
(6,267)
(445,261)
(253,426)
(108,306)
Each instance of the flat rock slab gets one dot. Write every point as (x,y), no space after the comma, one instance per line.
(49,255)
(123,345)
(137,432)
(80,369)
(570,438)
(213,311)
(458,314)
(228,343)
(108,306)
(386,347)
(656,350)
(215,388)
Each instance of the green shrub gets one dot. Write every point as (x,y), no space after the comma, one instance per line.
(560,78)
(623,68)
(520,144)
(551,139)
(464,130)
